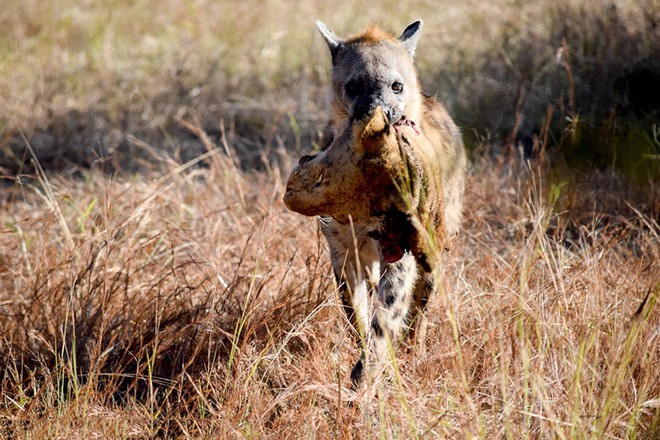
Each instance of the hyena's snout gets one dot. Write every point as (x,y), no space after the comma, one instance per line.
(367,106)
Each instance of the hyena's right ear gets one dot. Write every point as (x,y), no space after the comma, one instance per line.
(330,38)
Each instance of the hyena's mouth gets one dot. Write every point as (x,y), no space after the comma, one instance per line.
(394,236)
(391,247)
(404,121)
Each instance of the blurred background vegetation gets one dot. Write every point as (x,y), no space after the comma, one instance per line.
(91,83)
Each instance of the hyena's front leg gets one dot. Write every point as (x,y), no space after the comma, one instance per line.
(355,263)
(395,291)
(418,315)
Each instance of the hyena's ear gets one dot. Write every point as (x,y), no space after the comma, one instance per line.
(410,36)
(330,38)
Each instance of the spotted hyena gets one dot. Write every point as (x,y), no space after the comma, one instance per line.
(384,233)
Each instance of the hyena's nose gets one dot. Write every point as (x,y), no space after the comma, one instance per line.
(365,107)
(378,103)
(389,114)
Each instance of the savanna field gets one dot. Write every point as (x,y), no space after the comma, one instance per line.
(153,285)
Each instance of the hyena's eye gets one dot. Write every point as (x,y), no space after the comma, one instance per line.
(352,88)
(397,87)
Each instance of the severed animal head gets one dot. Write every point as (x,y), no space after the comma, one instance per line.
(353,177)
(374,173)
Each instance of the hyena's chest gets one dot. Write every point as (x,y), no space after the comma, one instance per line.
(351,244)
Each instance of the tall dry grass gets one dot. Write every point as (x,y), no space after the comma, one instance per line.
(119,292)
(192,304)
(184,301)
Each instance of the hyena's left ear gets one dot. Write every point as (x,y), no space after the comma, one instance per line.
(330,38)
(410,36)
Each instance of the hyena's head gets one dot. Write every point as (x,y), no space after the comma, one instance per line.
(374,69)
(351,177)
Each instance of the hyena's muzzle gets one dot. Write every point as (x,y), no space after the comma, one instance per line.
(368,99)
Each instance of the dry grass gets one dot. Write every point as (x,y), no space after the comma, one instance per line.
(184,301)
(192,304)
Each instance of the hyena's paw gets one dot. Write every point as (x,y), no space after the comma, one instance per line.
(358,373)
